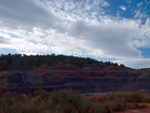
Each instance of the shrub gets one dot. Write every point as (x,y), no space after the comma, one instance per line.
(28,106)
(137,96)
(68,101)
(126,96)
(120,101)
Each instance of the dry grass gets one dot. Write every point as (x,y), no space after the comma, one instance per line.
(120,101)
(63,101)
(67,101)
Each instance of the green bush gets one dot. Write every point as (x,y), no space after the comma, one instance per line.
(70,102)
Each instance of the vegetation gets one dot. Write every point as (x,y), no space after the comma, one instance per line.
(18,62)
(126,96)
(120,101)
(63,101)
(67,101)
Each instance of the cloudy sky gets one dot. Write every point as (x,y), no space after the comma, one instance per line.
(107,30)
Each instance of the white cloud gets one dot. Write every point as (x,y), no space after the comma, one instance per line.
(141,12)
(65,27)
(139,4)
(113,37)
(129,1)
(140,15)
(122,7)
(105,4)
(26,13)
(76,9)
(46,41)
(144,40)
(136,63)
(2,40)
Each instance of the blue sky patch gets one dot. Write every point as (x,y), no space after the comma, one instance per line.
(6,51)
(145,52)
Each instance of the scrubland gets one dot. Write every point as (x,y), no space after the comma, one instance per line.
(68,101)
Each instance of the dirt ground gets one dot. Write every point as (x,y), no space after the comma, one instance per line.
(143,110)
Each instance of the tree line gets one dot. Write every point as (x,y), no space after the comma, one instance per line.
(18,62)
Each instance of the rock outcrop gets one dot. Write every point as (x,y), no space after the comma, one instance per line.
(89,79)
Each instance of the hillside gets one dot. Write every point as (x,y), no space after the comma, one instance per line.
(80,74)
(18,62)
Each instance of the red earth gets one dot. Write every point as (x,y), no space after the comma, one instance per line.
(143,110)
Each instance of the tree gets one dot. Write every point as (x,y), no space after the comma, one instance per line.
(122,65)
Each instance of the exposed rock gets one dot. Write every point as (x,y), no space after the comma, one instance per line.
(86,80)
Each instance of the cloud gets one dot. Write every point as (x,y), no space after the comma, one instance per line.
(140,15)
(108,37)
(122,7)
(129,1)
(141,12)
(2,40)
(136,63)
(143,41)
(105,4)
(27,13)
(74,9)
(71,28)
(39,41)
(139,4)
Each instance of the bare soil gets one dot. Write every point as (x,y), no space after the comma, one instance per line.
(143,110)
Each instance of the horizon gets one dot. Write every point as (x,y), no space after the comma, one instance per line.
(117,31)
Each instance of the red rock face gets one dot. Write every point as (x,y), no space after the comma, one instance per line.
(42,69)
(64,67)
(60,67)
(69,70)
(88,79)
(112,68)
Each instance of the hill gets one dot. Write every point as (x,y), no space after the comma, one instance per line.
(26,74)
(18,62)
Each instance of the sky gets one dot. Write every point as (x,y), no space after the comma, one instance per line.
(106,30)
